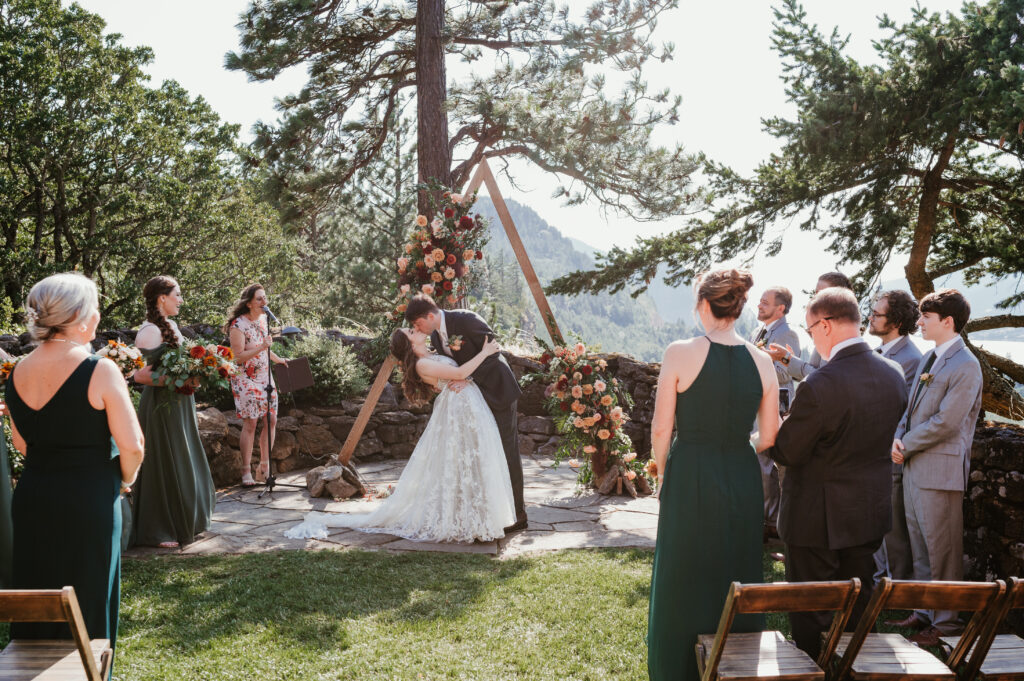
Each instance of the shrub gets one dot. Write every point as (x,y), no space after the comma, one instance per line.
(337,371)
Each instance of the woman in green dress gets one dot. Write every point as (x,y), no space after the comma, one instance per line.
(65,404)
(711,389)
(175,494)
(6,529)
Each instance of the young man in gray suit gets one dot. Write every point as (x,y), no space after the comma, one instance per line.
(772,309)
(789,356)
(933,442)
(836,443)
(893,318)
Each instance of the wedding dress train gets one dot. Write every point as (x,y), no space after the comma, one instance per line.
(455,487)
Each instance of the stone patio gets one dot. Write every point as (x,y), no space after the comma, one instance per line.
(559,518)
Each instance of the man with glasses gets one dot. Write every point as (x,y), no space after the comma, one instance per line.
(836,443)
(893,318)
(789,356)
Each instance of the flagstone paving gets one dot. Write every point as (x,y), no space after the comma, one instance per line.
(559,518)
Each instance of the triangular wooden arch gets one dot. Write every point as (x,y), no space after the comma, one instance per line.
(482,176)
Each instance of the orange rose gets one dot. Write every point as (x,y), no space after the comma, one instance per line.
(604,434)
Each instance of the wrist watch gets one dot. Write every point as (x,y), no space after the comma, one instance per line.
(785,360)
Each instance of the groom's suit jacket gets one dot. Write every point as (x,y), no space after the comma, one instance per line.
(494,377)
(783,335)
(938,427)
(836,443)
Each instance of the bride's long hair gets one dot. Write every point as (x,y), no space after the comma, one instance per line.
(415,389)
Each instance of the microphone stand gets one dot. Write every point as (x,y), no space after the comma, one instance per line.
(271,480)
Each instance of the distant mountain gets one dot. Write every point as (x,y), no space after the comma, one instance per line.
(617,322)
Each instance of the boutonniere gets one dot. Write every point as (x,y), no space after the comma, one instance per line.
(926,378)
(761,344)
(455,343)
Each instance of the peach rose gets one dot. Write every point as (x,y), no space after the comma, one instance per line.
(404,288)
(607,400)
(616,413)
(409,248)
(580,348)
(421,220)
(577,392)
(629,457)
(403,263)
(449,273)
(573,463)
(589,449)
(604,434)
(588,389)
(452,300)
(401,308)
(456,198)
(428,260)
(428,289)
(577,376)
(468,254)
(600,386)
(438,255)
(630,475)
(436,277)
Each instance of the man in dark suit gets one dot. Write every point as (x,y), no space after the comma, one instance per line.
(460,334)
(836,443)
(893,318)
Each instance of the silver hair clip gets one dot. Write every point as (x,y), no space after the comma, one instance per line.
(31,316)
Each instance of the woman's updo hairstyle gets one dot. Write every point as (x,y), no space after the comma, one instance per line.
(154,288)
(725,290)
(58,302)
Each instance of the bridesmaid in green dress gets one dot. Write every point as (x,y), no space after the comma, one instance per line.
(6,530)
(65,404)
(175,494)
(710,520)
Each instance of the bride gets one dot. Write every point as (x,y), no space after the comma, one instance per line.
(456,485)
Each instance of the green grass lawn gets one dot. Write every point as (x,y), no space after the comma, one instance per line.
(372,615)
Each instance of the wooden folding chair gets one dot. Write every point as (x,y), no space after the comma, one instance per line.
(864,656)
(993,657)
(41,659)
(768,655)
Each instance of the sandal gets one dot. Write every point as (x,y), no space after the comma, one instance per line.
(264,470)
(247,480)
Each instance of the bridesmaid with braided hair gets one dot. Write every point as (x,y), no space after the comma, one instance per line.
(174,495)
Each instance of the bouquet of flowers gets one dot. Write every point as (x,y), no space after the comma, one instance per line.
(193,365)
(6,367)
(439,253)
(128,358)
(588,411)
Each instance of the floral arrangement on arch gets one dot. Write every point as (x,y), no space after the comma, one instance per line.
(439,252)
(589,410)
(192,365)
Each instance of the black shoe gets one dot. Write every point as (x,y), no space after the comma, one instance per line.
(519,524)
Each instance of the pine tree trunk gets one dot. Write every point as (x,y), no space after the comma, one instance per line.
(433,157)
(917,265)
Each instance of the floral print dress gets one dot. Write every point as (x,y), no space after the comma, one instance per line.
(249,386)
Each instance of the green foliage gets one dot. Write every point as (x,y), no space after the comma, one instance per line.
(118,180)
(15,459)
(337,372)
(537,101)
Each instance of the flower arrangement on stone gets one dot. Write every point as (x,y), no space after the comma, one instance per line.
(192,365)
(589,410)
(128,358)
(438,254)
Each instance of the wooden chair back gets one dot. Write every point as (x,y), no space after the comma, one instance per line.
(1012,600)
(52,605)
(976,597)
(785,597)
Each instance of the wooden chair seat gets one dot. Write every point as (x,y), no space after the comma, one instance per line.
(759,655)
(885,656)
(42,659)
(1004,660)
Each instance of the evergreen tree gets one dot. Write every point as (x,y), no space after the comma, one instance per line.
(918,155)
(534,94)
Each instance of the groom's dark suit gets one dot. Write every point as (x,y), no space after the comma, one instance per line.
(497,383)
(836,495)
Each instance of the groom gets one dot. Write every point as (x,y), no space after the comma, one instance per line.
(460,334)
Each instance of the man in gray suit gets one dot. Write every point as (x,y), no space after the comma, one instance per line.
(789,356)
(772,309)
(933,442)
(893,318)
(837,492)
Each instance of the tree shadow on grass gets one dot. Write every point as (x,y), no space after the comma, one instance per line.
(304,598)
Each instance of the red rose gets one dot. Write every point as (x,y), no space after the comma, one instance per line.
(447,285)
(197,351)
(450,259)
(185,390)
(223,351)
(465,222)
(545,358)
(586,370)
(223,371)
(448,213)
(565,406)
(479,255)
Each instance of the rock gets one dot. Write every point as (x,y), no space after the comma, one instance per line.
(400,450)
(232,418)
(549,448)
(526,446)
(285,445)
(312,420)
(340,426)
(537,424)
(296,413)
(317,440)
(340,482)
(396,418)
(213,426)
(233,437)
(368,445)
(315,481)
(225,464)
(289,423)
(394,434)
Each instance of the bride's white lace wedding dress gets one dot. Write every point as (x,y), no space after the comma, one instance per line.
(455,486)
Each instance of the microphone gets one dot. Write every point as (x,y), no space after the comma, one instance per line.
(270,315)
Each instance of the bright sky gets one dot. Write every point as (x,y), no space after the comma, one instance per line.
(724,69)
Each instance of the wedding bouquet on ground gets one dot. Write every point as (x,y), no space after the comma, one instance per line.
(588,408)
(128,358)
(192,365)
(439,252)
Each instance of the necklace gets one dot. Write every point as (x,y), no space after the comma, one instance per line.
(64,340)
